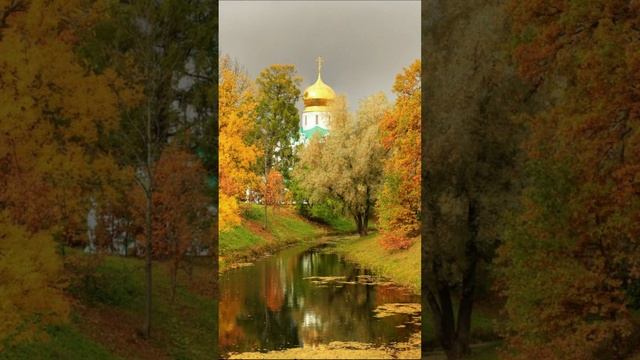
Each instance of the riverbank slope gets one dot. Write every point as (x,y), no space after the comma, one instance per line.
(107,297)
(249,240)
(401,266)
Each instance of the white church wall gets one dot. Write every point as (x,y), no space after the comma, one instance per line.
(308,120)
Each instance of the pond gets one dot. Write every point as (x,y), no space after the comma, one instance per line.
(305,296)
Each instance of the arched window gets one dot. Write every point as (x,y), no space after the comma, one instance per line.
(316,119)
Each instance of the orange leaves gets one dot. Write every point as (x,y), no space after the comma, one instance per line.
(273,190)
(581,206)
(181,218)
(392,242)
(52,115)
(399,199)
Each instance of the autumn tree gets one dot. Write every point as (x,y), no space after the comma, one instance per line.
(181,220)
(54,113)
(398,205)
(237,156)
(165,49)
(346,165)
(577,233)
(274,190)
(469,155)
(32,283)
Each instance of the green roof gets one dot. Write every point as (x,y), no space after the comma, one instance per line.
(308,134)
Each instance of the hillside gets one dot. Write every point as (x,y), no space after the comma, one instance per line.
(107,293)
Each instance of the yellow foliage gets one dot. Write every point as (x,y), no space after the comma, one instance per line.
(52,115)
(236,105)
(229,215)
(31,290)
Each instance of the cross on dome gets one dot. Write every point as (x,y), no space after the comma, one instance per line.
(319,60)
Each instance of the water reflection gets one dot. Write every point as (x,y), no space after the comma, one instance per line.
(271,306)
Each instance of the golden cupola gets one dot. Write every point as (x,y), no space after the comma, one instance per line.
(318,96)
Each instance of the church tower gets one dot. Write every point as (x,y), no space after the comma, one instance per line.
(316,116)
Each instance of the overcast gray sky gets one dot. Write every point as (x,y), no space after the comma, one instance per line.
(364,44)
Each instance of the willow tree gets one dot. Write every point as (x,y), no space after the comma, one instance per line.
(346,165)
(469,156)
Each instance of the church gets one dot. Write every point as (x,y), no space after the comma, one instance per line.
(316,116)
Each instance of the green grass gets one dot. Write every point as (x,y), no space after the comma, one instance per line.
(63,342)
(486,351)
(238,238)
(283,227)
(182,329)
(181,324)
(482,328)
(402,266)
(341,224)
(283,224)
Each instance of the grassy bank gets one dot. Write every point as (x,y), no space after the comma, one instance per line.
(402,267)
(250,239)
(108,307)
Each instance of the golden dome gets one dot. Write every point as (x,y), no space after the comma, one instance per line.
(318,95)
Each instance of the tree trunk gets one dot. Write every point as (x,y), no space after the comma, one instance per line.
(447,325)
(365,215)
(148,228)
(147,309)
(266,182)
(459,348)
(357,221)
(126,244)
(174,281)
(174,270)
(464,311)
(362,231)
(365,223)
(265,214)
(454,337)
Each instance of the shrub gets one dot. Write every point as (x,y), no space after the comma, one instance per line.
(393,242)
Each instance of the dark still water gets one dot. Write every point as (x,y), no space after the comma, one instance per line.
(274,304)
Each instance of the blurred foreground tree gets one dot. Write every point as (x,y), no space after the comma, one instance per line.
(469,156)
(578,233)
(167,50)
(55,111)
